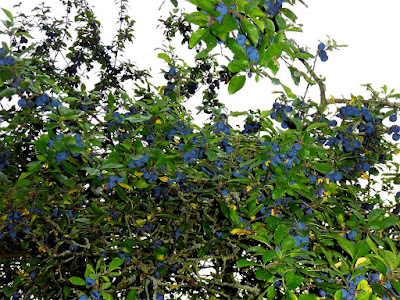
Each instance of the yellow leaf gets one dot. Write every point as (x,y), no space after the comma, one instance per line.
(141,222)
(252,217)
(232,206)
(25,212)
(42,249)
(160,257)
(363,285)
(125,186)
(352,101)
(360,261)
(274,214)
(138,174)
(158,121)
(240,231)
(321,180)
(72,191)
(338,265)
(174,286)
(267,163)
(163,179)
(365,176)
(248,188)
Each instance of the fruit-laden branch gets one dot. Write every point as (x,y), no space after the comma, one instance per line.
(374,101)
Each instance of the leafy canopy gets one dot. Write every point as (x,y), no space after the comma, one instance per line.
(112,192)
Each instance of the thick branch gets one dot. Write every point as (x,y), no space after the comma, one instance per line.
(320,83)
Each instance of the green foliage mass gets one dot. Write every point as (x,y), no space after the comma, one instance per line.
(114,193)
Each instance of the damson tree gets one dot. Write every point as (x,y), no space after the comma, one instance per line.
(112,192)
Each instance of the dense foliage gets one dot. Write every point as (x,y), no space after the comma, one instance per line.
(112,192)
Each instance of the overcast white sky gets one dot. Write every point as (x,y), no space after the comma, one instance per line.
(370,28)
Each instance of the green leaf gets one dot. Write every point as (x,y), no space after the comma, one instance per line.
(288,243)
(385,223)
(316,125)
(224,208)
(111,99)
(260,239)
(107,296)
(245,263)
(238,65)
(210,40)
(164,57)
(111,166)
(131,295)
(396,285)
(197,36)
(116,263)
(198,18)
(268,57)
(207,229)
(233,215)
(346,245)
(22,183)
(251,31)
(280,233)
(141,184)
(219,30)
(371,243)
(323,168)
(268,255)
(69,168)
(278,193)
(238,50)
(77,280)
(236,83)
(8,92)
(308,297)
(229,22)
(338,295)
(262,274)
(288,13)
(292,281)
(392,260)
(201,54)
(271,294)
(9,14)
(375,214)
(269,25)
(95,208)
(41,145)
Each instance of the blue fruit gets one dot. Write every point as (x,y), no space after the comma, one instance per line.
(95,295)
(90,282)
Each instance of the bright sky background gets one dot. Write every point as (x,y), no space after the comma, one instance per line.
(368,27)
